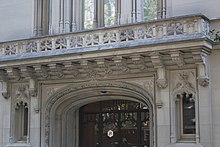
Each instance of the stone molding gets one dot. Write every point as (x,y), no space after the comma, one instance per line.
(77,87)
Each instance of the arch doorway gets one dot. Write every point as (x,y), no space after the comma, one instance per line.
(114,123)
(99,114)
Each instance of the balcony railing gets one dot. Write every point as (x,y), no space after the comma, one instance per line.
(186,26)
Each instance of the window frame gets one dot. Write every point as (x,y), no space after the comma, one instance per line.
(181,136)
(20,119)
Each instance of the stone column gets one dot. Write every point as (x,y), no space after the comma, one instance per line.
(5,114)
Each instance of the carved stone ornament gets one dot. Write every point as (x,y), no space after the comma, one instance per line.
(183,86)
(201,61)
(22,94)
(5,95)
(162,83)
(149,85)
(203,81)
(33,92)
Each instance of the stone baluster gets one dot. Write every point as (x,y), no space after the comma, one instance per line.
(53,40)
(197,27)
(68,42)
(84,40)
(135,33)
(101,35)
(184,27)
(38,45)
(154,31)
(17,48)
(164,29)
(118,34)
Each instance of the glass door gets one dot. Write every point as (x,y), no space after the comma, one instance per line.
(114,124)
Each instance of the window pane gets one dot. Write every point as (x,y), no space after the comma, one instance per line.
(109,12)
(25,133)
(150,9)
(88,11)
(188,115)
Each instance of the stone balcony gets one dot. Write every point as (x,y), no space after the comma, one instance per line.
(154,32)
(134,48)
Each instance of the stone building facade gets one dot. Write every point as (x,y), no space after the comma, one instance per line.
(111,73)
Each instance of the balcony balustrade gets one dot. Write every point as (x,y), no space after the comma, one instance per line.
(172,28)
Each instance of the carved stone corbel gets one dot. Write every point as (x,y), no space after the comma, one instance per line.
(72,68)
(139,61)
(43,70)
(120,62)
(14,73)
(200,59)
(5,84)
(161,70)
(177,58)
(33,87)
(58,68)
(104,64)
(88,66)
(6,90)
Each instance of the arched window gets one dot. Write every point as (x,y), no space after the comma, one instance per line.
(21,121)
(185,115)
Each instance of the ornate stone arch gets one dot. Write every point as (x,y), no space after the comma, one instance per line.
(77,95)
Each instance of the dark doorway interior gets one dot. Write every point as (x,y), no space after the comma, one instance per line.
(114,123)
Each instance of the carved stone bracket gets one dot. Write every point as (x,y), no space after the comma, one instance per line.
(121,63)
(104,64)
(14,72)
(6,90)
(203,81)
(57,68)
(177,58)
(33,87)
(200,59)
(89,68)
(139,61)
(161,71)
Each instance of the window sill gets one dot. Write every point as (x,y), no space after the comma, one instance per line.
(19,144)
(185,145)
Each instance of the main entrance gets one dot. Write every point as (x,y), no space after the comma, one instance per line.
(114,123)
